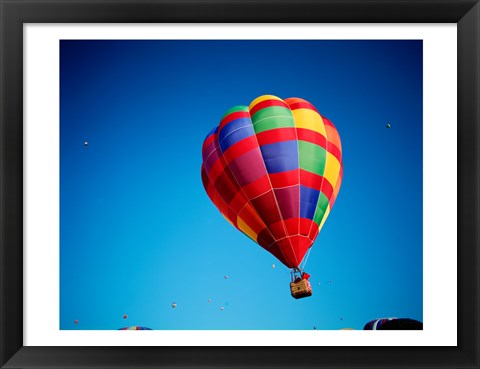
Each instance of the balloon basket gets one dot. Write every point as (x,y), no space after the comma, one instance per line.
(301,289)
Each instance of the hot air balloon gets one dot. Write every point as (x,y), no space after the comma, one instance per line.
(375,324)
(135,328)
(393,324)
(273,169)
(174,305)
(125,316)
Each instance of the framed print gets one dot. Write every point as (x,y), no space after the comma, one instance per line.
(168,168)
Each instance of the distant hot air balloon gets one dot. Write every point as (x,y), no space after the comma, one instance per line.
(274,169)
(75,321)
(375,324)
(174,305)
(393,324)
(135,328)
(125,316)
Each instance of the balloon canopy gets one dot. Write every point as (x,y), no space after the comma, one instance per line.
(135,328)
(393,324)
(274,170)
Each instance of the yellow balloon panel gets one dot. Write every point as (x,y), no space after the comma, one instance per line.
(332,169)
(309,119)
(263,98)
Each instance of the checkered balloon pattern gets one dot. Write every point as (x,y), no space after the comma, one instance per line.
(274,169)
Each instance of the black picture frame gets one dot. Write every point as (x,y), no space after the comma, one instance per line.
(15,13)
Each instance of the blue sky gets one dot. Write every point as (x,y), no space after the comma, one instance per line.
(138,232)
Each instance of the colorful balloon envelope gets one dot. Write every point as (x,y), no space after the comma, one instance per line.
(393,324)
(273,169)
(135,328)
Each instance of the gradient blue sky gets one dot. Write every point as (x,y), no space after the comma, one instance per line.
(138,232)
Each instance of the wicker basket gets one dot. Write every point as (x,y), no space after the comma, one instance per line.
(301,289)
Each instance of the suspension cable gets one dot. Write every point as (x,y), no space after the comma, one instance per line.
(306,259)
